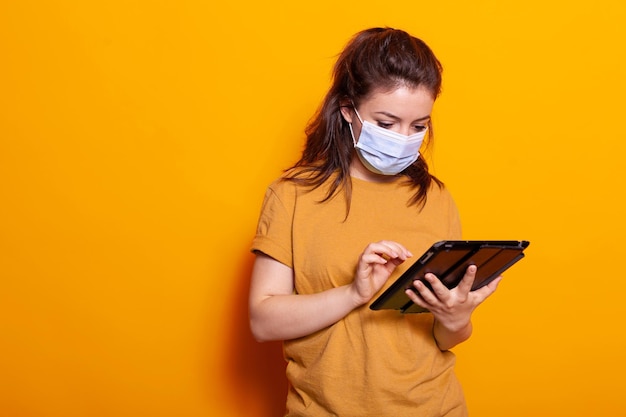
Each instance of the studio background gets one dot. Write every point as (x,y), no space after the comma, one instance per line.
(136,142)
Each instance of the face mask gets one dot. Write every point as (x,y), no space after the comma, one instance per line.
(384,151)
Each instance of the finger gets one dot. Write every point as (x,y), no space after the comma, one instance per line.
(389,249)
(416,297)
(465,286)
(488,289)
(442,292)
(373,258)
(494,284)
(425,293)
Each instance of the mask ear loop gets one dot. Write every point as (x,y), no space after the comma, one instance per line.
(352,134)
(356,112)
(350,124)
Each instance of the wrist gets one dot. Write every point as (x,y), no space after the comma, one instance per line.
(448,337)
(457,326)
(356,299)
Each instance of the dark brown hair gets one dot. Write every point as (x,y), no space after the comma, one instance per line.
(376,58)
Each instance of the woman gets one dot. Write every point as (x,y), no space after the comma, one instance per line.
(342,221)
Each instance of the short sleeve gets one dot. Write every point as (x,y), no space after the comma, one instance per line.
(274,229)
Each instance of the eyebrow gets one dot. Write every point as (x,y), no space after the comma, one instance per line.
(393,116)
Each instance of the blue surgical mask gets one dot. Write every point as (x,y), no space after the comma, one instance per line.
(384,151)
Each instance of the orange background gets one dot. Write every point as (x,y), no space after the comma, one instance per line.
(136,142)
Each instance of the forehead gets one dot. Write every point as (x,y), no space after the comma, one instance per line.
(402,101)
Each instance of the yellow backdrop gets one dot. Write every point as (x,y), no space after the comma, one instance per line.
(136,142)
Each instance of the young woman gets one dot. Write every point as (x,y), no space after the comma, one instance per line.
(340,223)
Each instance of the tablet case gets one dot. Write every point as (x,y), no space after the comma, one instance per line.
(449,260)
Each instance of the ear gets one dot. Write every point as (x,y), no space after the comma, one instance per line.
(345,106)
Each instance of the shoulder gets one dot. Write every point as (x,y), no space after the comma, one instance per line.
(301,181)
(285,190)
(436,190)
(439,191)
(440,198)
(279,193)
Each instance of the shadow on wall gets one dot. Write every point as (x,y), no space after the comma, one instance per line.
(256,371)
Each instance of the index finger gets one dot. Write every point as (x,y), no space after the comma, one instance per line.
(390,248)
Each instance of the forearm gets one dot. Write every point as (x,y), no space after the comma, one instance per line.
(283,317)
(447,338)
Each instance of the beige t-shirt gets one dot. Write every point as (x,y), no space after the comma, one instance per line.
(370,363)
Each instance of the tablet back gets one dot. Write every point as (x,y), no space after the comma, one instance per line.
(449,260)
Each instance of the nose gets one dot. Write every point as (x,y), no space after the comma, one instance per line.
(405,130)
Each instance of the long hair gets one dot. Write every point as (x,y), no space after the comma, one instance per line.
(373,59)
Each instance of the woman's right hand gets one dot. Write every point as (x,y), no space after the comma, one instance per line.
(375,266)
(277,312)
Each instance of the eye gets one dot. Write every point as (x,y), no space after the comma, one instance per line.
(420,128)
(385,125)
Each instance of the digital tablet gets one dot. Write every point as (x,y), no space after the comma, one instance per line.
(449,260)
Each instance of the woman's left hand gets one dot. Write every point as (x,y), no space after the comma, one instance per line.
(452,308)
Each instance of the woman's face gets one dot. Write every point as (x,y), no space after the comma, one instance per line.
(404,110)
